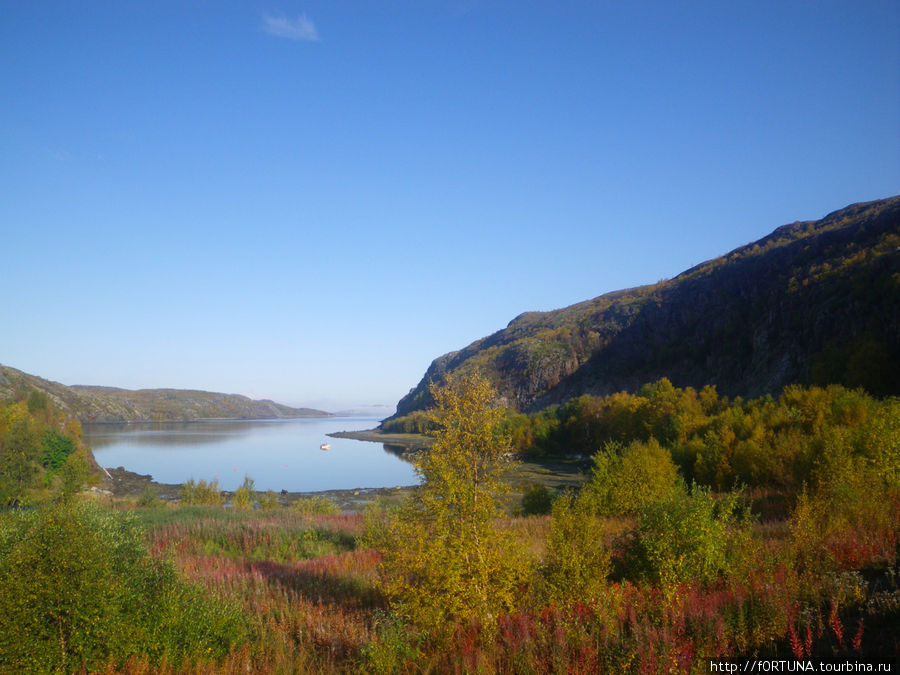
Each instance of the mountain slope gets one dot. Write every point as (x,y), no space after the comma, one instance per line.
(109,404)
(813,302)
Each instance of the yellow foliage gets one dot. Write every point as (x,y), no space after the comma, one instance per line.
(577,562)
(444,560)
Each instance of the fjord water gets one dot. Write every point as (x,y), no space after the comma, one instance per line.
(277,454)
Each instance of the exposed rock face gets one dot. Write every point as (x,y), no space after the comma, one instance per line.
(813,302)
(109,404)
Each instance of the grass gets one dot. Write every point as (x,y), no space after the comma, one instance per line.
(306,588)
(311,594)
(272,536)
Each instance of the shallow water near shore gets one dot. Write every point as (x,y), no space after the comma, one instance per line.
(277,454)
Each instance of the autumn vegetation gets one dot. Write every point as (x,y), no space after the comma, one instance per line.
(40,449)
(705,526)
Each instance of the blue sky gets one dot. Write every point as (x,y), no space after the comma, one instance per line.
(311,201)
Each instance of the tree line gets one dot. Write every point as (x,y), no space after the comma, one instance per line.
(713,440)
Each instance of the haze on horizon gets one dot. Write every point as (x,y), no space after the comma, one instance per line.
(309,202)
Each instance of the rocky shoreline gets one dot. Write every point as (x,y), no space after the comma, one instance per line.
(558,474)
(119,483)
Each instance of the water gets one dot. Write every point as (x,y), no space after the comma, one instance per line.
(277,454)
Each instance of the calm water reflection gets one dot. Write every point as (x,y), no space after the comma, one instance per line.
(277,454)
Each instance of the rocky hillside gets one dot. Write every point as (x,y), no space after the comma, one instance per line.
(813,302)
(108,404)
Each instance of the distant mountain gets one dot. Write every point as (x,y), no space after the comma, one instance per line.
(377,410)
(813,302)
(109,404)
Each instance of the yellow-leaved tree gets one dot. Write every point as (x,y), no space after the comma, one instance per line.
(444,559)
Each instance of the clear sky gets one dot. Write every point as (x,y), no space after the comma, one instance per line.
(311,201)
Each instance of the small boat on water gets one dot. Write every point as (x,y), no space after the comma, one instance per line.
(325,446)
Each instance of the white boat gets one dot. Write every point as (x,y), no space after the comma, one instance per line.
(325,446)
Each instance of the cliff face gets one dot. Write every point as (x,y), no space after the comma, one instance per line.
(109,404)
(813,302)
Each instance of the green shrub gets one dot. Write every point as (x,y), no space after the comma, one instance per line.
(848,518)
(245,495)
(537,500)
(37,401)
(625,481)
(688,538)
(392,650)
(149,499)
(19,451)
(879,441)
(78,589)
(55,449)
(577,563)
(201,492)
(269,501)
(316,506)
(73,474)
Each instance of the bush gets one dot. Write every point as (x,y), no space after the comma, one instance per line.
(316,506)
(879,441)
(19,450)
(848,519)
(392,650)
(537,500)
(149,500)
(687,538)
(55,449)
(245,495)
(577,562)
(201,492)
(269,501)
(78,590)
(73,474)
(625,481)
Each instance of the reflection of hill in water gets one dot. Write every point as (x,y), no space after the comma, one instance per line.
(400,451)
(98,436)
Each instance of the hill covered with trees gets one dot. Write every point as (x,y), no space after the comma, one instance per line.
(814,302)
(110,404)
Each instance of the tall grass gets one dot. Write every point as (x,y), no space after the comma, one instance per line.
(306,588)
(310,596)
